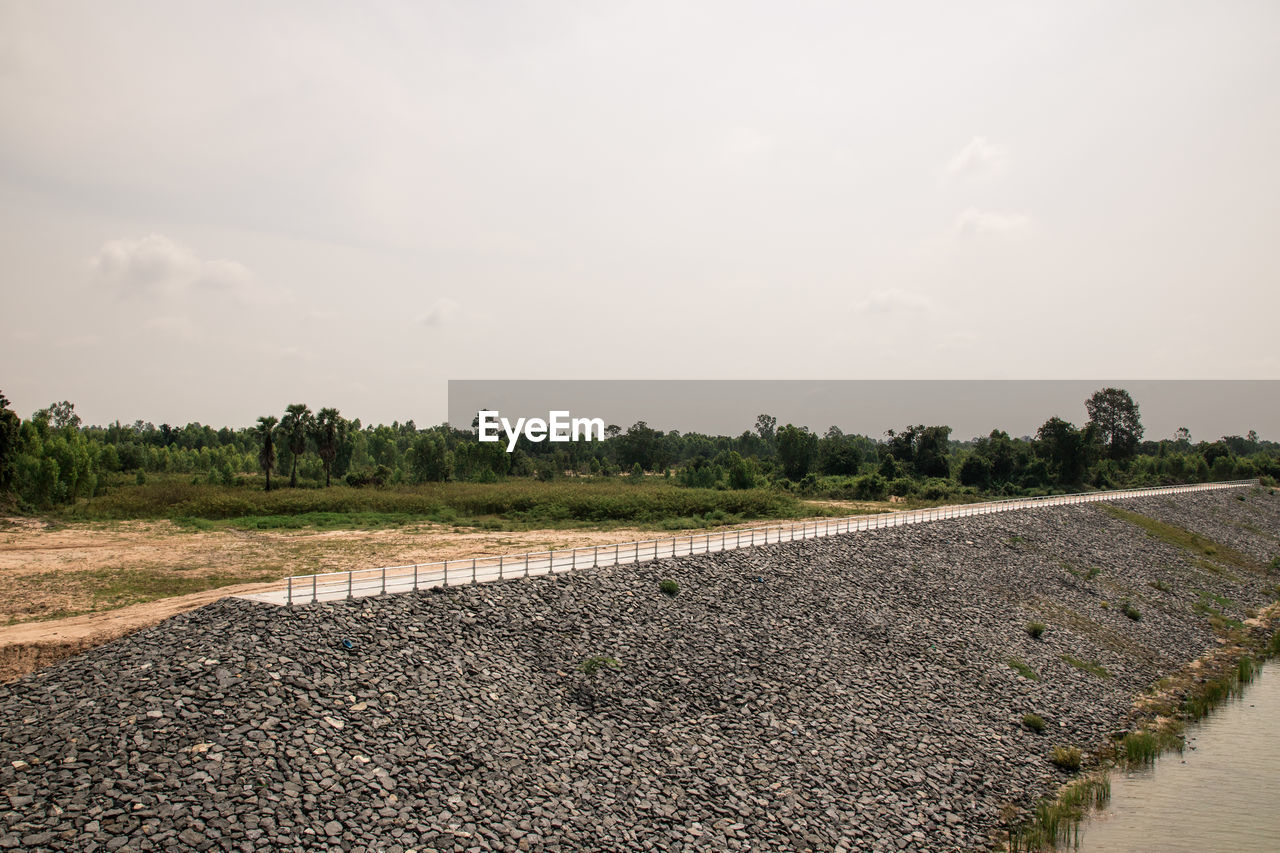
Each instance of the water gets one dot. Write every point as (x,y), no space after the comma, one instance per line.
(1219,796)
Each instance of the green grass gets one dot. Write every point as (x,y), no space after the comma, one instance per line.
(1091,667)
(1056,822)
(1160,585)
(1220,688)
(1035,630)
(1140,748)
(1068,758)
(1218,619)
(1033,722)
(1179,537)
(1132,612)
(669,587)
(1023,670)
(511,504)
(108,588)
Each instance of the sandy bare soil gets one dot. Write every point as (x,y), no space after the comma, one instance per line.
(64,588)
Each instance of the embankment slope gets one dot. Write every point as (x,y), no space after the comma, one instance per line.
(847,693)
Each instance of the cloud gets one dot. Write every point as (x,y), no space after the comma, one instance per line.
(156,265)
(440,312)
(894,300)
(973,222)
(977,159)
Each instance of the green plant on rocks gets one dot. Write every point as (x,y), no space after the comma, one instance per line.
(1056,822)
(592,665)
(1023,670)
(1035,630)
(1068,758)
(1090,667)
(669,587)
(1132,612)
(1033,722)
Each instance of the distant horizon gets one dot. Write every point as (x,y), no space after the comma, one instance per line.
(1207,408)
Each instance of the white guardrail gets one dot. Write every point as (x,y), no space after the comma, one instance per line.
(360,583)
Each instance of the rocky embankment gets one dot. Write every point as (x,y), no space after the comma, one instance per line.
(847,693)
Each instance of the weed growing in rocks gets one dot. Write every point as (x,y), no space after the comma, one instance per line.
(1140,748)
(1069,758)
(1057,822)
(1091,667)
(1132,612)
(1033,722)
(1035,630)
(669,587)
(1160,585)
(1023,670)
(1182,538)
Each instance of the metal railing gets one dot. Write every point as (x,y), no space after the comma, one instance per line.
(358,583)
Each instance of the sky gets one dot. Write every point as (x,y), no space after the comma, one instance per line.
(211,210)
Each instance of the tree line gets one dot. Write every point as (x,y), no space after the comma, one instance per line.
(52,458)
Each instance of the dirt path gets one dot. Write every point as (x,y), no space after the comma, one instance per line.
(115,578)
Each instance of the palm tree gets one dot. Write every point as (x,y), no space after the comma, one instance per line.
(267,455)
(296,426)
(328,430)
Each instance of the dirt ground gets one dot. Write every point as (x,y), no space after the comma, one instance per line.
(68,587)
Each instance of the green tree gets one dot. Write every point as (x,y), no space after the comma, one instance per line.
(767,430)
(1065,450)
(329,431)
(1114,416)
(429,459)
(838,453)
(267,454)
(296,425)
(10,425)
(740,476)
(796,449)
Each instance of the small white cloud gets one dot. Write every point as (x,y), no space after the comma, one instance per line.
(974,222)
(156,265)
(977,159)
(440,312)
(894,300)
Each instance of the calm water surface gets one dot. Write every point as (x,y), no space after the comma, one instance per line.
(1223,795)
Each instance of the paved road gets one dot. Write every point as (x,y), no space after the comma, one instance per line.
(359,583)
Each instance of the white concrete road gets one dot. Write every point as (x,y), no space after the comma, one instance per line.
(358,583)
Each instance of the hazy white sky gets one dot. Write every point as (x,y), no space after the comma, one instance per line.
(209,210)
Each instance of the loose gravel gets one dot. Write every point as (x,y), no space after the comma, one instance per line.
(846,693)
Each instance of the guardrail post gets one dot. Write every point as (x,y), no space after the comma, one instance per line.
(350,575)
(551,563)
(313,589)
(289,599)
(384,581)
(415,575)
(473,571)
(501,560)
(595,557)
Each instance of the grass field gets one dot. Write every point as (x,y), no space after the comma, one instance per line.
(512,505)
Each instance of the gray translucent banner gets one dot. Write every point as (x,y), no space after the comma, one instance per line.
(1210,409)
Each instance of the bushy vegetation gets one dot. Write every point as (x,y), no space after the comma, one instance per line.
(1035,630)
(669,587)
(1067,757)
(1033,722)
(52,460)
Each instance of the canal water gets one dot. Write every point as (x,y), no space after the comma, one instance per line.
(1221,795)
